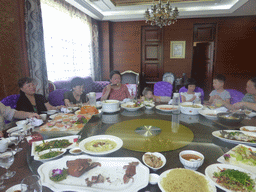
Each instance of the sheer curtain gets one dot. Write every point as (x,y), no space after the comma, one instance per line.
(68,41)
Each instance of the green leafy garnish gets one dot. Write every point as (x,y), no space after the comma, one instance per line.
(59,175)
(50,154)
(63,143)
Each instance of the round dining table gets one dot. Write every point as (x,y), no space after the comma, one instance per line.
(175,133)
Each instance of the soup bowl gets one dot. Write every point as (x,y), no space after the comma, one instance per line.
(110,106)
(229,118)
(190,108)
(191,159)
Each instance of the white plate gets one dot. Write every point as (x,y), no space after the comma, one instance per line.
(70,138)
(124,105)
(233,161)
(15,129)
(206,113)
(252,114)
(37,155)
(117,140)
(165,106)
(248,128)
(218,135)
(111,167)
(51,112)
(53,116)
(211,186)
(14,188)
(215,168)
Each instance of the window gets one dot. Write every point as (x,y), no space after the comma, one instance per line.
(67,38)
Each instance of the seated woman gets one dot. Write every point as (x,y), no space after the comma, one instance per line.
(77,95)
(190,95)
(7,113)
(249,100)
(30,101)
(115,90)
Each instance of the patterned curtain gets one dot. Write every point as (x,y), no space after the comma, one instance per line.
(35,45)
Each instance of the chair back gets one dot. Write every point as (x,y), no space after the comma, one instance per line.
(197,90)
(56,97)
(236,96)
(131,80)
(169,77)
(163,88)
(52,87)
(11,100)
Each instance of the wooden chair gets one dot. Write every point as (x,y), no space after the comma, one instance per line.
(131,80)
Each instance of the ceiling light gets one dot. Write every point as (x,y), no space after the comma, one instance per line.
(161,15)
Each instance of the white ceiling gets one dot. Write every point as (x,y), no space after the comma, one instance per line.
(105,10)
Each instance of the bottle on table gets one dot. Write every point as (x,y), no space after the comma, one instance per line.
(176,103)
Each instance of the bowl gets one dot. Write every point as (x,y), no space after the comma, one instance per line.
(192,163)
(75,151)
(22,123)
(230,119)
(153,178)
(51,112)
(149,106)
(110,106)
(189,108)
(158,155)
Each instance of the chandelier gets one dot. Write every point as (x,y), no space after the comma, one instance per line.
(161,15)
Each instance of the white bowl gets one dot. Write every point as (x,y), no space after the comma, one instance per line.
(75,151)
(110,106)
(21,123)
(51,112)
(190,110)
(149,106)
(157,155)
(153,178)
(193,165)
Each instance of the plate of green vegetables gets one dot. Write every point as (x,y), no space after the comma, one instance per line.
(49,154)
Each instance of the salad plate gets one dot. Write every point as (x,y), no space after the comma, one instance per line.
(112,168)
(131,106)
(248,128)
(240,155)
(101,144)
(211,187)
(52,154)
(72,139)
(244,135)
(215,168)
(166,108)
(252,114)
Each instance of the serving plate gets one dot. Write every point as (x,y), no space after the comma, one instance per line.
(97,115)
(217,134)
(252,114)
(14,188)
(248,128)
(37,155)
(208,113)
(15,129)
(111,167)
(124,105)
(211,186)
(169,108)
(117,140)
(72,139)
(233,161)
(209,171)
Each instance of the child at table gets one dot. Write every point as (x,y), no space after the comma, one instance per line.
(190,95)
(219,96)
(148,95)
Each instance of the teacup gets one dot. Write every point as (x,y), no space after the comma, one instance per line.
(3,145)
(43,116)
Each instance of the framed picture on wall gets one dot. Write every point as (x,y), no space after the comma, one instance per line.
(177,49)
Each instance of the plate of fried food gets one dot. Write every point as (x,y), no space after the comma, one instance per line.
(166,108)
(89,110)
(132,106)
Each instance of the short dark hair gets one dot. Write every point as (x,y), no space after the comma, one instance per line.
(77,81)
(146,90)
(24,80)
(253,80)
(190,81)
(113,73)
(220,77)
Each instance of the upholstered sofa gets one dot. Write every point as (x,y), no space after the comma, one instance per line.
(56,97)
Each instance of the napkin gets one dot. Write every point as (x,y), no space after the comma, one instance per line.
(65,110)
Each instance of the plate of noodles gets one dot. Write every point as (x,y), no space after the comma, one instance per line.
(186,180)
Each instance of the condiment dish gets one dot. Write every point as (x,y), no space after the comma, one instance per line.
(75,151)
(51,112)
(191,159)
(159,156)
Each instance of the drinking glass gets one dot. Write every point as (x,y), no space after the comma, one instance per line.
(1,183)
(17,137)
(6,160)
(31,184)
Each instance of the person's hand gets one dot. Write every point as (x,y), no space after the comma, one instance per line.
(30,115)
(1,134)
(193,98)
(108,88)
(238,105)
(59,107)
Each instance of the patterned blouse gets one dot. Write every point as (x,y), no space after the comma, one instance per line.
(119,94)
(249,98)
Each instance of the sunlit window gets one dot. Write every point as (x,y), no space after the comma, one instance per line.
(67,41)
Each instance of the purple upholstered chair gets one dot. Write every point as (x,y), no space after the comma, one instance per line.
(11,101)
(236,96)
(163,88)
(56,97)
(197,89)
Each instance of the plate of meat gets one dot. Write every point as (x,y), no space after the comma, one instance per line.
(94,174)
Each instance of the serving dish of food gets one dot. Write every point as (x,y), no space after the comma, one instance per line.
(188,180)
(208,113)
(67,142)
(241,155)
(101,144)
(49,154)
(87,109)
(236,137)
(230,118)
(189,108)
(110,106)
(154,160)
(231,178)
(132,106)
(166,108)
(95,174)
(248,128)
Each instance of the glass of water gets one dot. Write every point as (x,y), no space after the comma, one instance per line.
(6,160)
(31,184)
(17,137)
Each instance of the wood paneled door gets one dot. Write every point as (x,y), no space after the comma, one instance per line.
(152,55)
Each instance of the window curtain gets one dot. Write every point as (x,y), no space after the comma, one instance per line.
(35,45)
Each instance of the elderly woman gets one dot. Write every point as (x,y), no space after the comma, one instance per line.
(77,95)
(30,101)
(249,100)
(115,90)
(6,113)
